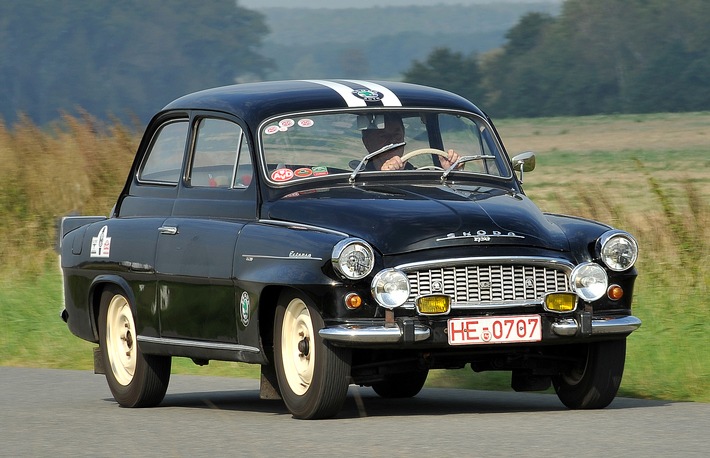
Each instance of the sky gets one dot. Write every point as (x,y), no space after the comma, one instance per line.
(259,4)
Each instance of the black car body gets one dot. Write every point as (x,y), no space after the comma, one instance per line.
(255,226)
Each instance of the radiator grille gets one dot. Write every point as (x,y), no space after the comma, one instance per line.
(480,284)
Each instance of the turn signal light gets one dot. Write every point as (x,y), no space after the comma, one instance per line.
(615,292)
(561,302)
(353,301)
(434,305)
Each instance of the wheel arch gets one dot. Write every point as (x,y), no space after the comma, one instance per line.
(98,286)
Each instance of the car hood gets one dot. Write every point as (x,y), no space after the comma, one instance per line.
(400,218)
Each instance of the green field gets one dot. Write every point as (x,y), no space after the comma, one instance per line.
(648,174)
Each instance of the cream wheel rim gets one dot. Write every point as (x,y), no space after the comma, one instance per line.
(120,340)
(297,347)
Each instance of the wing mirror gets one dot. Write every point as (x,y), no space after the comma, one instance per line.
(524,162)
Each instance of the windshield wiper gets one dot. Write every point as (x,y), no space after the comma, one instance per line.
(460,161)
(384,149)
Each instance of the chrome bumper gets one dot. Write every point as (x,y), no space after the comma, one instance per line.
(371,334)
(624,325)
(359,334)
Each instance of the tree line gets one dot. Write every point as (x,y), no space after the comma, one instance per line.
(605,56)
(128,58)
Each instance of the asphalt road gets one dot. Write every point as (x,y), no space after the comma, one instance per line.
(71,413)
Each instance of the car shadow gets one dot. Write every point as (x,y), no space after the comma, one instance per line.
(364,402)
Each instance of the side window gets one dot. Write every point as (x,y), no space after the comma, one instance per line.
(164,158)
(221,157)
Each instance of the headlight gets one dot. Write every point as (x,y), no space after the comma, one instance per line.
(390,287)
(353,258)
(589,281)
(618,250)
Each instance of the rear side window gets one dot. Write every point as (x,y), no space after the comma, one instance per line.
(221,157)
(164,159)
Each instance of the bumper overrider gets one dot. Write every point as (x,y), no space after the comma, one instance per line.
(409,331)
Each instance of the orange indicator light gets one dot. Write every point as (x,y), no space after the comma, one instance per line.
(615,292)
(353,301)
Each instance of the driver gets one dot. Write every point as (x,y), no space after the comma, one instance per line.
(393,132)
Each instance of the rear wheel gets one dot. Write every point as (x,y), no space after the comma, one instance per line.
(313,375)
(135,379)
(594,381)
(401,385)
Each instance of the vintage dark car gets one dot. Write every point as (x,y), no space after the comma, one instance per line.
(343,232)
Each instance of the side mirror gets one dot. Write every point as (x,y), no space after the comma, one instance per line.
(524,162)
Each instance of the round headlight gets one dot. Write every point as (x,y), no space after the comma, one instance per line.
(618,251)
(589,281)
(390,287)
(353,258)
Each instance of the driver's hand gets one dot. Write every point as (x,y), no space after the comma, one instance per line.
(393,163)
(453,156)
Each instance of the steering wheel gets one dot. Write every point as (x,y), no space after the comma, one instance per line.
(419,152)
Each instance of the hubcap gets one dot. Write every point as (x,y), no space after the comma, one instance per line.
(120,344)
(298,355)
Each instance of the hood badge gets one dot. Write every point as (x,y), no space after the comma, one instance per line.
(479,236)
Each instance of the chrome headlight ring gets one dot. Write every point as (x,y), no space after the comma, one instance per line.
(618,250)
(589,281)
(353,258)
(390,288)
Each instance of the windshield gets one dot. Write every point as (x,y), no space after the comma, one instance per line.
(310,146)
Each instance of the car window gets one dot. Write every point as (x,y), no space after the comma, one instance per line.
(221,156)
(164,159)
(315,145)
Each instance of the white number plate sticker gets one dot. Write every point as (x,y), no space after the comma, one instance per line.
(491,330)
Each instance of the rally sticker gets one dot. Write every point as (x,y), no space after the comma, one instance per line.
(306,122)
(286,123)
(101,244)
(282,174)
(271,130)
(244,308)
(320,171)
(303,172)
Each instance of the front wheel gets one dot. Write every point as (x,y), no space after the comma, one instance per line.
(135,379)
(313,376)
(592,383)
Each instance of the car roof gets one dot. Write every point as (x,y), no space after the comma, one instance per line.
(254,102)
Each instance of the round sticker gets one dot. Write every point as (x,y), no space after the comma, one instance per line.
(303,172)
(282,174)
(305,122)
(286,123)
(271,130)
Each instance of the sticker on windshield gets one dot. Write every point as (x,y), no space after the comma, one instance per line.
(303,172)
(320,171)
(286,123)
(305,122)
(282,174)
(101,244)
(271,130)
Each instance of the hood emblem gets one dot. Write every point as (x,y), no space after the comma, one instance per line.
(479,236)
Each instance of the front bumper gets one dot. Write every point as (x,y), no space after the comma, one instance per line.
(410,332)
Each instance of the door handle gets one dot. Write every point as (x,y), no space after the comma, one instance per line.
(168,230)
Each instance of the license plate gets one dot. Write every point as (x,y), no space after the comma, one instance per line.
(492,330)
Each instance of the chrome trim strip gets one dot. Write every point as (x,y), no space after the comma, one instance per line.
(197,344)
(505,260)
(485,305)
(250,257)
(301,227)
(624,325)
(351,333)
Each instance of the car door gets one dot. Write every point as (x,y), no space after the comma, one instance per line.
(195,253)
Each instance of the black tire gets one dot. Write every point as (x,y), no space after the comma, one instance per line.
(401,385)
(313,375)
(135,379)
(594,382)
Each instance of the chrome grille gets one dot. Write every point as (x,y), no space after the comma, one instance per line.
(489,284)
